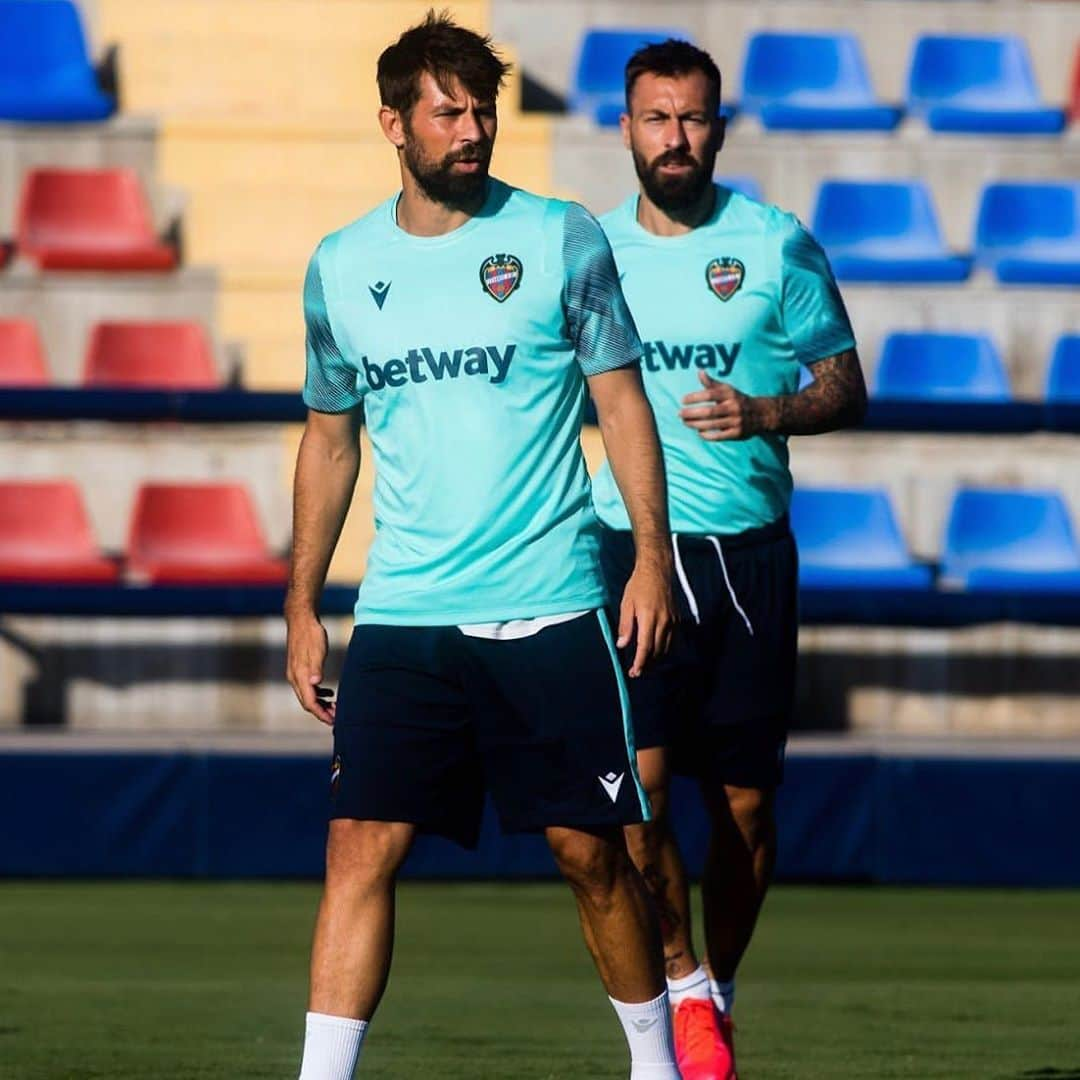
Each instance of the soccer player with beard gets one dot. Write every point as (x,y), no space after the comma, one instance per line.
(462,320)
(731,298)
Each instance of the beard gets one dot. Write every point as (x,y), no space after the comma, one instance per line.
(440,183)
(676,193)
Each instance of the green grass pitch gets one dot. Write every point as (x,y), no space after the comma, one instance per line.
(199,981)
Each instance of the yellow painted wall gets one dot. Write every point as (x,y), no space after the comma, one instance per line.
(268,125)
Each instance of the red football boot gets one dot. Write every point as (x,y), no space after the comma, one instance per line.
(704,1048)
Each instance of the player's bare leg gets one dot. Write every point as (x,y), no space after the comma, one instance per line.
(656,855)
(620,930)
(738,868)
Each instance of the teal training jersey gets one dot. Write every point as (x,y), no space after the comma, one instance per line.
(749,298)
(468,352)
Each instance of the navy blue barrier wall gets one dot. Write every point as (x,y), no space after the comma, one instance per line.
(842,817)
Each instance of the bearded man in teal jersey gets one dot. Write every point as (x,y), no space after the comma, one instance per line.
(732,299)
(462,320)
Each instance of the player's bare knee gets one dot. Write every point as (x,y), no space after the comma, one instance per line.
(591,864)
(364,854)
(646,842)
(753,811)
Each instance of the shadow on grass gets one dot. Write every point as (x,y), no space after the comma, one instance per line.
(1048,1072)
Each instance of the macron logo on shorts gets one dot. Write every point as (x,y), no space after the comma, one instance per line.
(611,784)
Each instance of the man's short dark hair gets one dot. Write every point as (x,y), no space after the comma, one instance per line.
(672,59)
(446,52)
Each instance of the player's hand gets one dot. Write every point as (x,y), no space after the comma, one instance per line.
(720,413)
(306,656)
(647,614)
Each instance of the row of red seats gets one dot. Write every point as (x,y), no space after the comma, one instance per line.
(200,533)
(88,219)
(158,355)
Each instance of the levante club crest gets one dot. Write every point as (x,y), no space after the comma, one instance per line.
(725,277)
(500,275)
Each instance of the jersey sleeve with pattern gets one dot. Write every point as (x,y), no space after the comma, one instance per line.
(330,383)
(601,327)
(812,309)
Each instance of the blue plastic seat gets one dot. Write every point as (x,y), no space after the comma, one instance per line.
(1000,540)
(941,367)
(744,185)
(980,85)
(599,83)
(884,231)
(45,73)
(848,538)
(812,82)
(1029,233)
(1063,379)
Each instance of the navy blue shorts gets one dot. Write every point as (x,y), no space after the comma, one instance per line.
(428,719)
(722,699)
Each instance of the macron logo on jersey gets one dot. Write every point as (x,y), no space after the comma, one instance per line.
(660,356)
(423,365)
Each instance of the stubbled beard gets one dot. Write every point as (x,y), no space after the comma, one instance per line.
(440,183)
(675,193)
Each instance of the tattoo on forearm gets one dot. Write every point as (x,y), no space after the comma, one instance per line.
(835,399)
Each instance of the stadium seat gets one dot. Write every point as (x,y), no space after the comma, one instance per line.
(45,73)
(744,185)
(1074,91)
(1063,378)
(45,535)
(22,359)
(89,219)
(848,538)
(941,367)
(1029,233)
(884,231)
(199,533)
(812,82)
(599,86)
(1010,540)
(164,355)
(981,85)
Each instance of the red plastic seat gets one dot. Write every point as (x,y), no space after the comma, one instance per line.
(22,359)
(89,219)
(199,533)
(166,355)
(45,535)
(1074,94)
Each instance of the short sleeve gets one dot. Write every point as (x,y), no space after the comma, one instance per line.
(813,311)
(601,327)
(330,384)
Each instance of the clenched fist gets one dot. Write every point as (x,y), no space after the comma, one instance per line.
(721,413)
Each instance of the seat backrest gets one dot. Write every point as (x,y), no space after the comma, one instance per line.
(203,522)
(1074,90)
(22,359)
(1013,214)
(810,68)
(173,355)
(847,527)
(103,207)
(995,529)
(851,212)
(42,520)
(971,72)
(39,38)
(946,367)
(602,57)
(1063,378)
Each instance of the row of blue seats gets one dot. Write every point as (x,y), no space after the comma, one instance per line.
(936,366)
(1025,232)
(821,82)
(995,540)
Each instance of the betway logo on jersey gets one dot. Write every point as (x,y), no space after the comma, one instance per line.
(662,356)
(422,365)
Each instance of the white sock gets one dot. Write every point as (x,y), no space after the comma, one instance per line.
(723,995)
(648,1034)
(331,1047)
(694,985)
